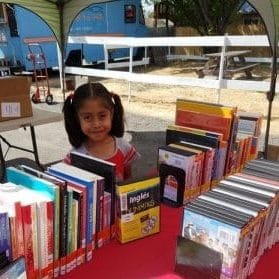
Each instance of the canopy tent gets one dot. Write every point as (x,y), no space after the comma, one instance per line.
(59,14)
(269,11)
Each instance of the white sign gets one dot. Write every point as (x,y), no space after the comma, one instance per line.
(10,109)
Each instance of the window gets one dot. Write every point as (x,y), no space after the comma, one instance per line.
(130,13)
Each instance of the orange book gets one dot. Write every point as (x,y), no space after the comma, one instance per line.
(201,120)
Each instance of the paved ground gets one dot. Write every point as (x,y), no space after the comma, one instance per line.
(146,136)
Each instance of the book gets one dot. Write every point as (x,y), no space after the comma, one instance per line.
(33,207)
(180,159)
(206,116)
(103,168)
(215,232)
(138,209)
(196,261)
(51,193)
(13,208)
(175,133)
(84,179)
(197,167)
(62,236)
(5,240)
(14,270)
(209,154)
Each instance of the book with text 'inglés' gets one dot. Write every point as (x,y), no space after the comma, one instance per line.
(100,167)
(138,209)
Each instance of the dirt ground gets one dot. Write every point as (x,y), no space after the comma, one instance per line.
(152,108)
(155,104)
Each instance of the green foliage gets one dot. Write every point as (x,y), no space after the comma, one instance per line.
(206,16)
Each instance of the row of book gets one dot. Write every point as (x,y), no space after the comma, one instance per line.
(55,219)
(236,222)
(206,143)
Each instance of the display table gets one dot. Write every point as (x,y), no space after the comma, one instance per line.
(153,257)
(39,117)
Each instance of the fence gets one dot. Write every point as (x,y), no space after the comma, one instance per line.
(192,41)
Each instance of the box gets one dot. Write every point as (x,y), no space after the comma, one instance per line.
(15,97)
(273,152)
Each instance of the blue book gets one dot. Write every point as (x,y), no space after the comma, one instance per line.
(5,241)
(46,188)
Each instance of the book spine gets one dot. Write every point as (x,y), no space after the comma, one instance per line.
(89,210)
(42,237)
(83,220)
(5,243)
(28,241)
(78,197)
(19,231)
(69,230)
(59,264)
(100,211)
(106,216)
(50,238)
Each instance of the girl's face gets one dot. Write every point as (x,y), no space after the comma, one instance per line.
(95,119)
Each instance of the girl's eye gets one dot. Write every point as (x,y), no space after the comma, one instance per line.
(86,118)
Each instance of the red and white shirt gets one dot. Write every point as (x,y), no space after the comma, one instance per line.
(123,157)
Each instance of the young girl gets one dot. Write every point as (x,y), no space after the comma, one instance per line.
(94,122)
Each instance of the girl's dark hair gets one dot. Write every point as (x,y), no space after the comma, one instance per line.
(74,101)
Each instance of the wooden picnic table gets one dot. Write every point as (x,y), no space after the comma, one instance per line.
(231,65)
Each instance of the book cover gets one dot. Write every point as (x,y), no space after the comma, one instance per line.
(172,185)
(102,168)
(62,235)
(209,154)
(175,133)
(198,165)
(46,188)
(181,159)
(13,208)
(215,234)
(5,241)
(138,210)
(14,270)
(197,261)
(207,116)
(82,178)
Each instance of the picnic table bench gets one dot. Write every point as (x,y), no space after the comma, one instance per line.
(231,66)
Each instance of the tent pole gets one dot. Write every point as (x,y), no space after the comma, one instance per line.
(270,97)
(60,7)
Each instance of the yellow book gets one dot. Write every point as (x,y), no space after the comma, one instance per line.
(138,209)
(208,108)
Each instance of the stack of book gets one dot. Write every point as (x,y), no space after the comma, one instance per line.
(239,218)
(204,146)
(55,219)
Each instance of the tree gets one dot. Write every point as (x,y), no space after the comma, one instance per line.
(206,16)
